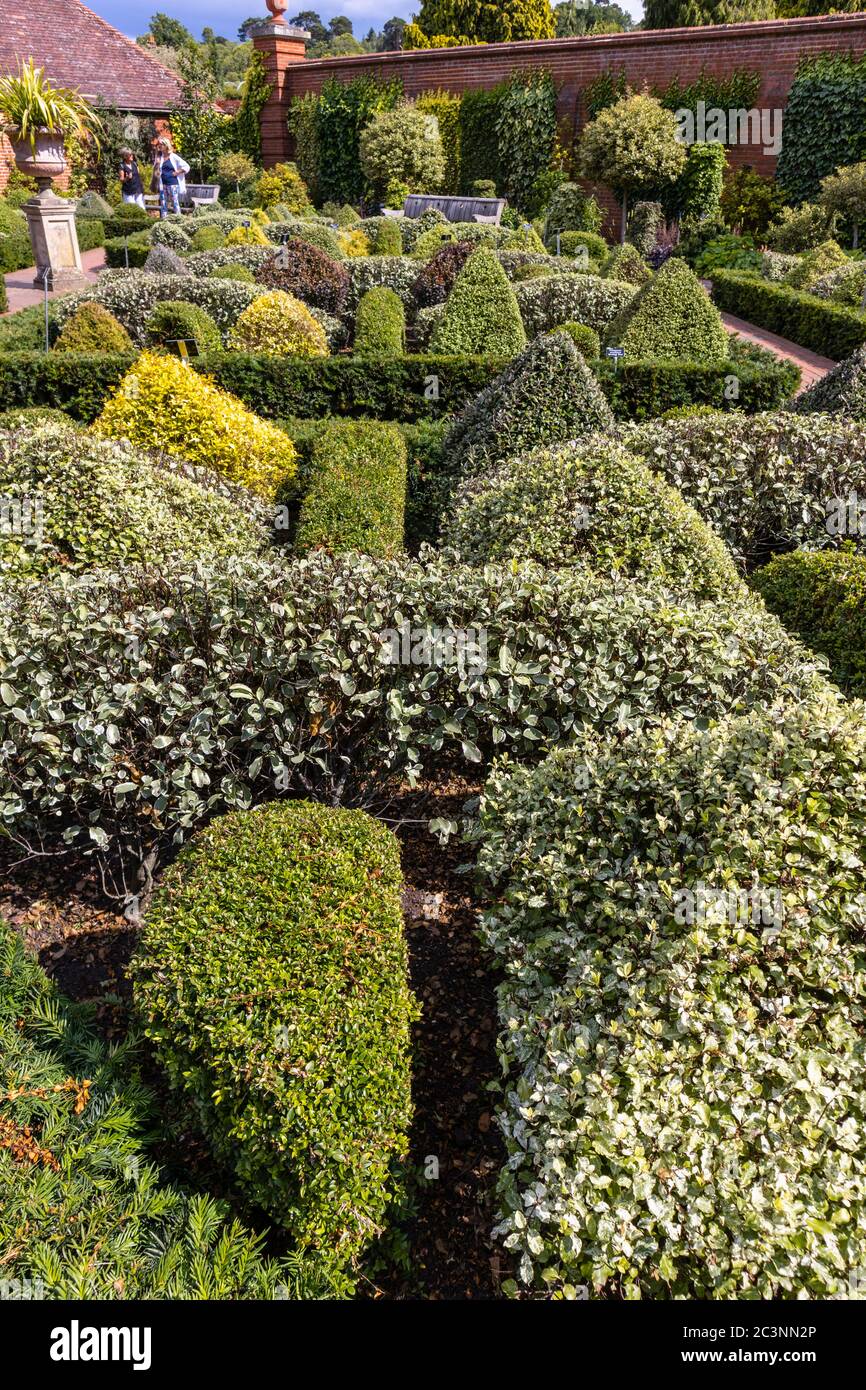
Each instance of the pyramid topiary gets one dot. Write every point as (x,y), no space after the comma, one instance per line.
(92,204)
(670,317)
(93,329)
(546,395)
(162,260)
(481,314)
(841,392)
(625,263)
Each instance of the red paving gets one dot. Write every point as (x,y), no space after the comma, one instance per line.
(21,292)
(812,367)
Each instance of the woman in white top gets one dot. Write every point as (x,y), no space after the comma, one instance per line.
(170,171)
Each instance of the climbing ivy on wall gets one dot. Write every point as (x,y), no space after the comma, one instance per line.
(445,106)
(304,126)
(824,126)
(344,108)
(256,91)
(738,91)
(479,143)
(526,135)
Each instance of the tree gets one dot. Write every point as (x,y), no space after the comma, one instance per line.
(200,129)
(676,14)
(572,18)
(339,26)
(478,21)
(169,33)
(392,35)
(246,25)
(309,20)
(633,147)
(845,192)
(403,146)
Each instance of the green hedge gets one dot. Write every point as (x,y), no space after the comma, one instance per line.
(356,493)
(820,595)
(137,246)
(393,389)
(83,1211)
(272,980)
(16,253)
(826,328)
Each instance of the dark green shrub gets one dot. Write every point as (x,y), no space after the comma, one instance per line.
(728,252)
(820,596)
(483,188)
(272,981)
(126,219)
(677,919)
(92,204)
(380,325)
(521,273)
(841,392)
(207,238)
(815,264)
(15,250)
(90,232)
(643,390)
(386,239)
(83,1210)
(830,329)
(571,298)
(589,503)
(356,494)
(625,263)
(571,210)
(24,330)
(93,329)
(570,244)
(823,122)
(309,274)
(234,272)
(644,223)
(132,251)
(585,339)
(4,301)
(481,313)
(545,395)
(173,319)
(670,317)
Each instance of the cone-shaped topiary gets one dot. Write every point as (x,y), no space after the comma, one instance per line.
(673,317)
(626,263)
(280,325)
(162,260)
(92,204)
(174,320)
(481,314)
(93,329)
(589,502)
(161,403)
(546,395)
(841,392)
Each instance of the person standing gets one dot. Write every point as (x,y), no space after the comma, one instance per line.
(170,172)
(131,185)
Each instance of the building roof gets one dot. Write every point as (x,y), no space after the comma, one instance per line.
(78,49)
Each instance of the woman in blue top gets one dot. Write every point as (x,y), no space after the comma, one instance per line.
(171,172)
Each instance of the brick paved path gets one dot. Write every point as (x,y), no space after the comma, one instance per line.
(21,292)
(812,367)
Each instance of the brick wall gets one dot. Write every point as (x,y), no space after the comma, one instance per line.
(655,57)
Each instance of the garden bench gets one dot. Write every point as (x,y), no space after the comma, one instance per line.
(200,195)
(456,209)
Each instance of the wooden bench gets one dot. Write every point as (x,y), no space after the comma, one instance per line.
(456,209)
(201,195)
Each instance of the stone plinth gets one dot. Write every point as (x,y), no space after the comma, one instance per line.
(51,223)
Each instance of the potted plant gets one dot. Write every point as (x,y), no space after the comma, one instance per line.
(39,118)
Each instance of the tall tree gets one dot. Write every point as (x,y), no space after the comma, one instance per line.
(340,26)
(574,18)
(246,25)
(168,33)
(392,35)
(481,21)
(676,14)
(309,20)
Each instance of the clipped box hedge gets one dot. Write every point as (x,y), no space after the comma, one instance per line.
(272,980)
(830,329)
(356,490)
(413,388)
(821,596)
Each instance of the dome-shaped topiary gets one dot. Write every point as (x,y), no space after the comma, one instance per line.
(585,339)
(234,271)
(174,320)
(815,265)
(93,329)
(280,325)
(841,392)
(308,273)
(672,316)
(245,236)
(208,238)
(481,313)
(380,324)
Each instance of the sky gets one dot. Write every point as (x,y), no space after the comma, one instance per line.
(131,16)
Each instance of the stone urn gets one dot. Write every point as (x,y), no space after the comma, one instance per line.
(278,10)
(50,220)
(43,161)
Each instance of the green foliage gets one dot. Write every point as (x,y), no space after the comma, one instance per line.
(643,390)
(815,265)
(85,1212)
(399,145)
(728,252)
(697,192)
(282,184)
(481,313)
(801,229)
(819,596)
(633,147)
(279,325)
(201,130)
(841,392)
(571,210)
(356,496)
(750,202)
(380,325)
(545,395)
(634,971)
(586,340)
(102,503)
(592,504)
(304,126)
(670,316)
(173,319)
(823,122)
(829,329)
(344,109)
(479,143)
(475,21)
(445,106)
(131,297)
(571,242)
(845,193)
(763,482)
(526,137)
(207,238)
(386,239)
(93,329)
(544,304)
(256,92)
(233,271)
(645,220)
(626,264)
(131,251)
(296,909)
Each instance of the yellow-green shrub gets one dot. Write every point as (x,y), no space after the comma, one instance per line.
(279,324)
(353,242)
(247,236)
(161,403)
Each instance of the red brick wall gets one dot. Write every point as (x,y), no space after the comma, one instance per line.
(655,57)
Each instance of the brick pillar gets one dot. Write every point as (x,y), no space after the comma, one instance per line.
(281,46)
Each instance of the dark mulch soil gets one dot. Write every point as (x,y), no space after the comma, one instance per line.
(83,941)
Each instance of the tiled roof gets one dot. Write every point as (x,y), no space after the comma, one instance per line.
(78,49)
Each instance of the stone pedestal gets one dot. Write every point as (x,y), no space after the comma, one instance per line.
(51,223)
